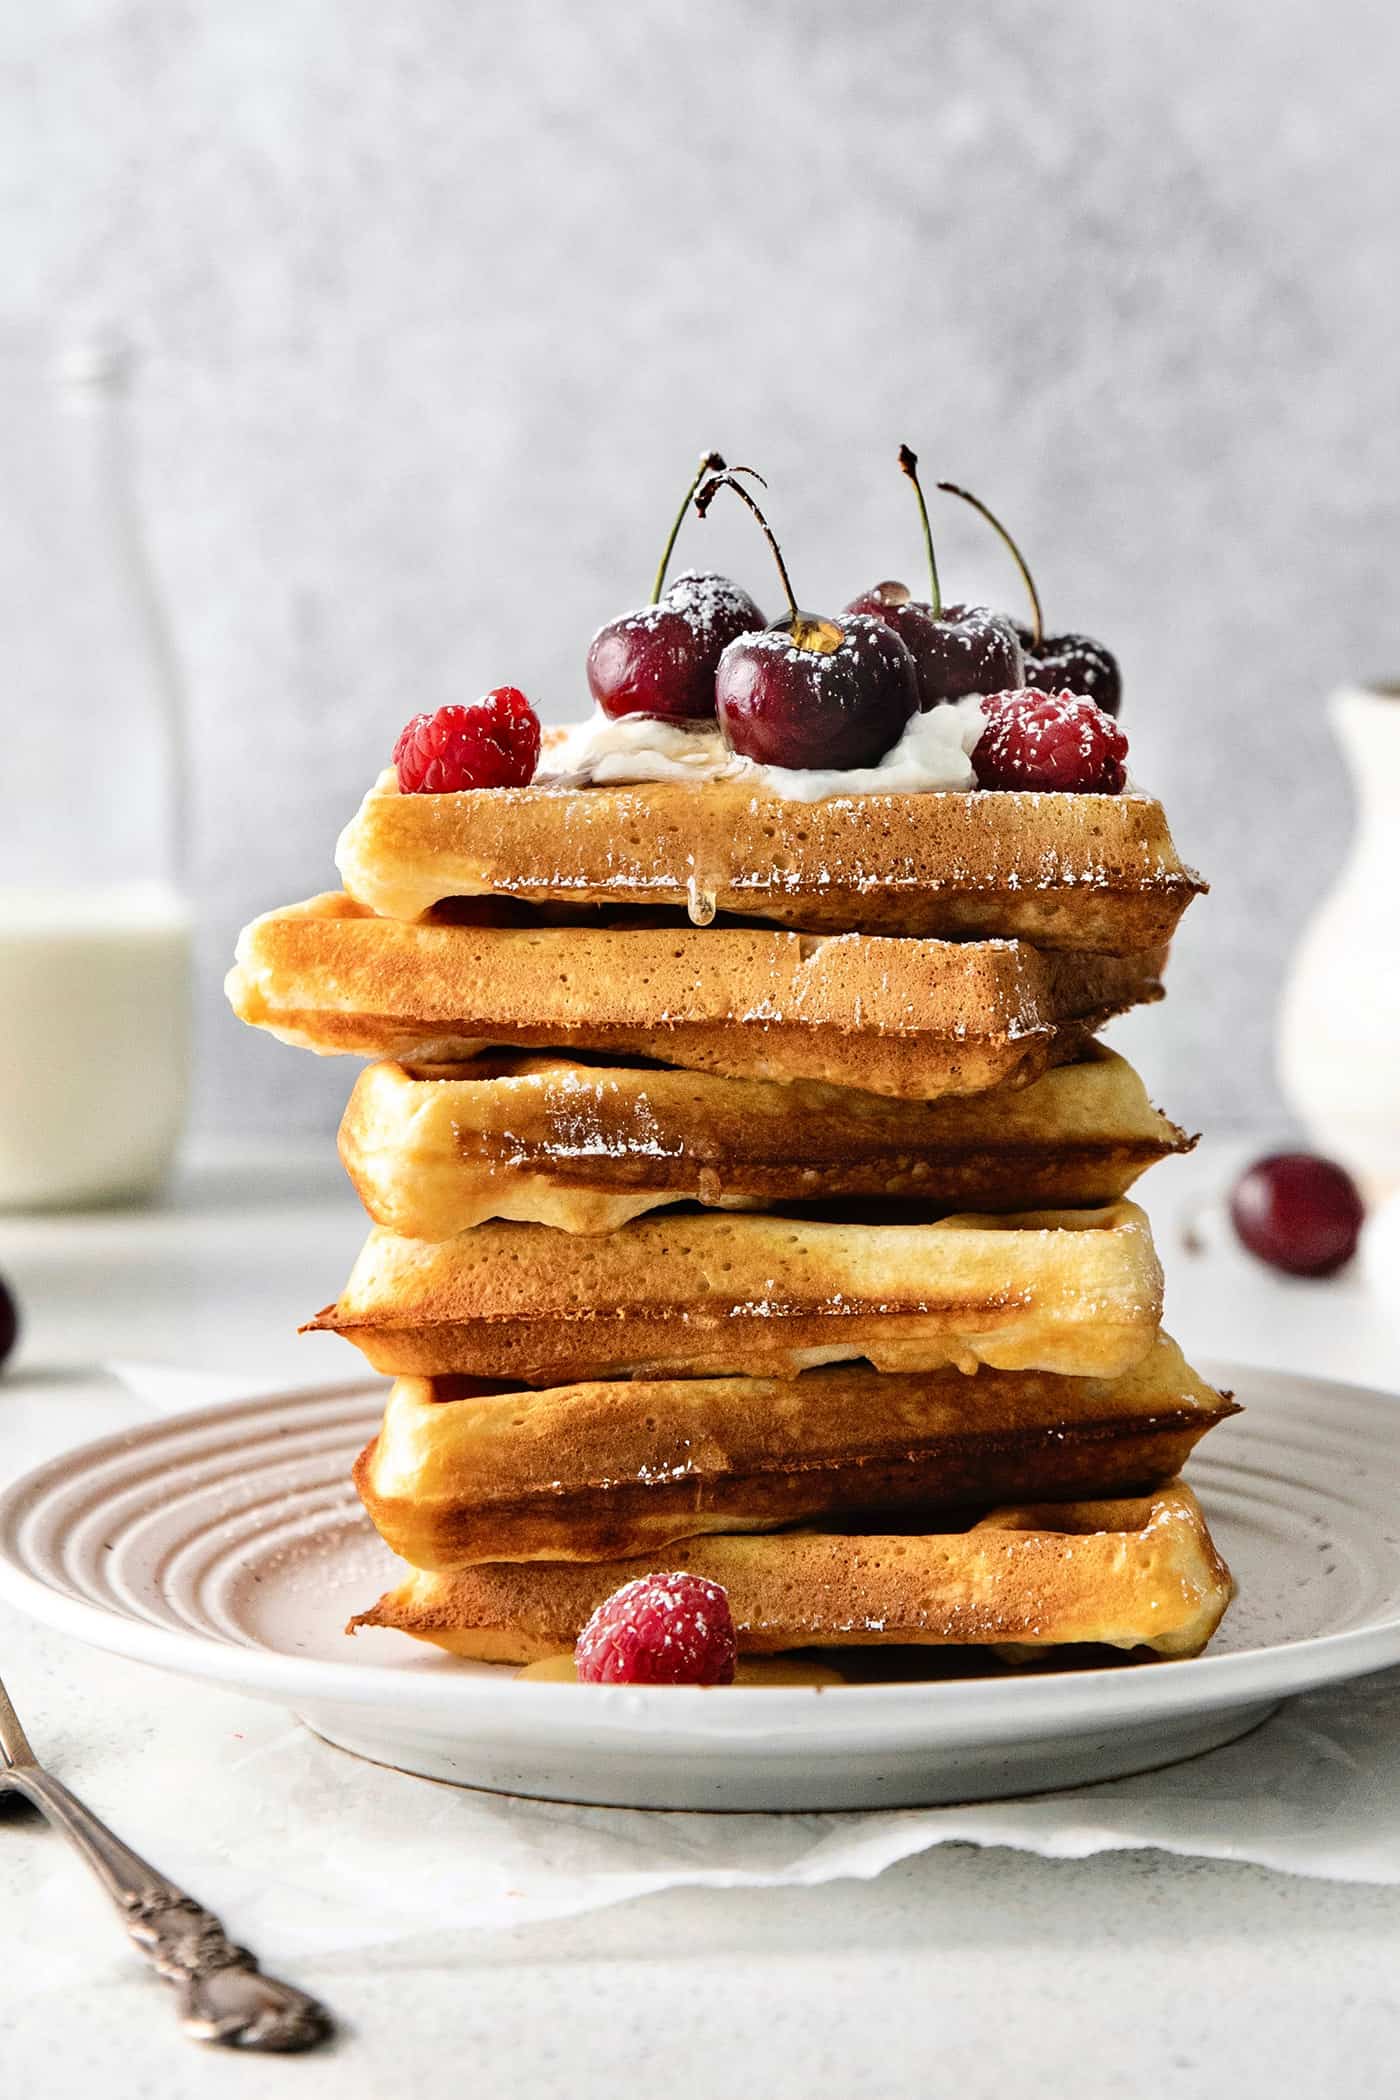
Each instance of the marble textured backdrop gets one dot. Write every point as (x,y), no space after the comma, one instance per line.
(439,300)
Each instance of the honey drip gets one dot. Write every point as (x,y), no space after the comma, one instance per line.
(700,904)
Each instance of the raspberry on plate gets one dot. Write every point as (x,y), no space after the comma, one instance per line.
(660,1629)
(1060,742)
(494,743)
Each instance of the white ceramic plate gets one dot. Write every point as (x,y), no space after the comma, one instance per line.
(228,1545)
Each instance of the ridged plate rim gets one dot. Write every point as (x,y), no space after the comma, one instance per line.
(857,1718)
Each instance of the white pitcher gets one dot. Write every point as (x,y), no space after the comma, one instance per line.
(1339,1035)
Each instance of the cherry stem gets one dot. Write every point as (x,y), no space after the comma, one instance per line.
(910,463)
(726,480)
(712,463)
(950,488)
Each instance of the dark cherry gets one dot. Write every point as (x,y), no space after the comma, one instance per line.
(1055,663)
(1298,1212)
(962,649)
(1073,663)
(660,661)
(837,699)
(956,649)
(809,691)
(9,1321)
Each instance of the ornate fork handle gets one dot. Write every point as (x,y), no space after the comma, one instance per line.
(223,1994)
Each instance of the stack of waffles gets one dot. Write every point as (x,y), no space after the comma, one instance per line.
(750,1197)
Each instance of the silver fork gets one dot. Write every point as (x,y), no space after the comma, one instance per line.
(223,1995)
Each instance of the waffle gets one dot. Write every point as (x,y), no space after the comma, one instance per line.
(1028,1578)
(434,1150)
(900,1017)
(709,1294)
(606,1471)
(1095,872)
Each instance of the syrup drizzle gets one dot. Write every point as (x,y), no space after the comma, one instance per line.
(700,903)
(751,1670)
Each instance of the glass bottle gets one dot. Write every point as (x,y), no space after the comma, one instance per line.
(95,929)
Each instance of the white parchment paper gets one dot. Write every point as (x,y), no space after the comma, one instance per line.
(319,1851)
(314,1851)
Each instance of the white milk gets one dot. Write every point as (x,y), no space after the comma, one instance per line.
(94,1041)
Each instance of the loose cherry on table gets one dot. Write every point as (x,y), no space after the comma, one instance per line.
(809,691)
(493,743)
(1054,663)
(957,649)
(660,661)
(1298,1213)
(9,1321)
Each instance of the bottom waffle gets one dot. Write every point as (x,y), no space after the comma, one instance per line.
(1123,1574)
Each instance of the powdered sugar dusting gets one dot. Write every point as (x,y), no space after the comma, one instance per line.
(711,606)
(711,603)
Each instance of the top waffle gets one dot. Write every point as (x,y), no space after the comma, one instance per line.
(1095,872)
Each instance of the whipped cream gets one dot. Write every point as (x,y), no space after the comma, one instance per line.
(932,757)
(599,752)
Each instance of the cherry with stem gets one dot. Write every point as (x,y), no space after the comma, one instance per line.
(808,630)
(909,461)
(712,463)
(957,649)
(809,692)
(659,661)
(1073,663)
(1037,630)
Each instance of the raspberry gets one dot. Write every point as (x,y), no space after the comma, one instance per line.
(660,1629)
(1059,741)
(494,743)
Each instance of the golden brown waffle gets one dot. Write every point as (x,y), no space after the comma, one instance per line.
(709,1294)
(434,1150)
(1140,1573)
(902,1017)
(606,1471)
(1095,872)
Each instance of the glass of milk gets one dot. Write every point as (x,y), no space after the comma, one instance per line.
(95,930)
